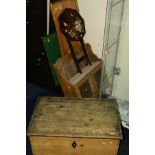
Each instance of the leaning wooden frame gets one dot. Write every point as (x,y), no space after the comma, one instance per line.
(73,83)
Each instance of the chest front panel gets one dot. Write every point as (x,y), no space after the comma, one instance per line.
(73,146)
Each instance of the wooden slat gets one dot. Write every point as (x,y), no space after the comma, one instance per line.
(56,10)
(78,77)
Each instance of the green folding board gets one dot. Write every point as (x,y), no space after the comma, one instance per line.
(51,45)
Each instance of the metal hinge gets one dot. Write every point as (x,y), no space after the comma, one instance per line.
(117,70)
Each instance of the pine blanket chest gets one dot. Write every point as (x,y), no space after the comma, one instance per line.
(72,126)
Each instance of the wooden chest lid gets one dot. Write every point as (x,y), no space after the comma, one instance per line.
(72,117)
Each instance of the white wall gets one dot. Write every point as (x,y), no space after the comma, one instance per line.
(94,14)
(121,82)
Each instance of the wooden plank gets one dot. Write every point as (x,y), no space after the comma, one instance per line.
(63,146)
(78,77)
(56,10)
(72,117)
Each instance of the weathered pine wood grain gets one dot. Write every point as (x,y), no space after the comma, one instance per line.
(70,117)
(73,126)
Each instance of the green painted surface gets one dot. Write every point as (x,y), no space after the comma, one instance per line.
(51,45)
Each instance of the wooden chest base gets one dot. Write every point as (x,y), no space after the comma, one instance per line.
(72,126)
